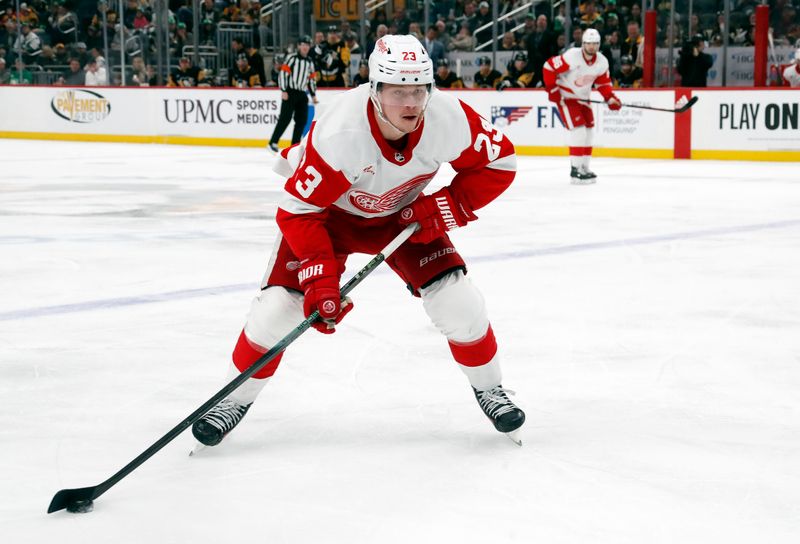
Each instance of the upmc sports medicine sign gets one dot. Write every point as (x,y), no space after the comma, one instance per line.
(745,121)
(201,110)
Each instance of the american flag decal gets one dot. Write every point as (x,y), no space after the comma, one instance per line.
(509,114)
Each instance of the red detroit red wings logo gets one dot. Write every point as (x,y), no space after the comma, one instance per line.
(389,200)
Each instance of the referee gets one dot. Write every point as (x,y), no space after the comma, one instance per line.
(295,77)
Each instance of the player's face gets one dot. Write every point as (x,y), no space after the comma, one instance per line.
(591,49)
(403,105)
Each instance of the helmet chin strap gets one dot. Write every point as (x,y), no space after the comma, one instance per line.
(373,95)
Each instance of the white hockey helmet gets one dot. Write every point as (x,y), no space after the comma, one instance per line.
(400,60)
(590,35)
(797,55)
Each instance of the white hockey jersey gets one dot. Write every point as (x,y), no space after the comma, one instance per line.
(344,163)
(575,76)
(791,75)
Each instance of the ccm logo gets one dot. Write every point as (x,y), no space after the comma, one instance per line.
(434,256)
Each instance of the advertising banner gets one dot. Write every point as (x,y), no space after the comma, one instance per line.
(532,122)
(746,124)
(724,124)
(169,115)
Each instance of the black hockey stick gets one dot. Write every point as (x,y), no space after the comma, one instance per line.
(80,500)
(682,109)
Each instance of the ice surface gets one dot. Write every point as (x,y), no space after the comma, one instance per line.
(650,325)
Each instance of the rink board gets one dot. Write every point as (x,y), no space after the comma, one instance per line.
(753,125)
(724,124)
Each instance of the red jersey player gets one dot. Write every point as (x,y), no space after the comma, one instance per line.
(353,183)
(569,79)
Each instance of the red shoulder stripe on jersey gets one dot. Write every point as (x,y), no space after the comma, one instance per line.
(475,184)
(315,181)
(557,64)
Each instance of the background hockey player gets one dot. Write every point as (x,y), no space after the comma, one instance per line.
(519,74)
(486,77)
(569,79)
(629,76)
(186,74)
(791,74)
(354,195)
(444,78)
(243,75)
(333,61)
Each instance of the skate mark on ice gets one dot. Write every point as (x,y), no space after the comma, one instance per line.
(182,294)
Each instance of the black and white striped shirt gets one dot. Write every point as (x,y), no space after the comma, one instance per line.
(297,73)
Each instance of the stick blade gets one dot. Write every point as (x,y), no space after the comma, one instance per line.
(688,105)
(65,497)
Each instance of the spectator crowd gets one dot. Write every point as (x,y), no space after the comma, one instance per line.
(65,40)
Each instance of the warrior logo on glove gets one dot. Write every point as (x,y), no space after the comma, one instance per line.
(436,214)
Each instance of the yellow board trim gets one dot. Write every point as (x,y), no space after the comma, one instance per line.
(772,156)
(131,139)
(246,142)
(621,152)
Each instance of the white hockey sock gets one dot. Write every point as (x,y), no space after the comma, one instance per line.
(485,376)
(248,391)
(587,144)
(577,141)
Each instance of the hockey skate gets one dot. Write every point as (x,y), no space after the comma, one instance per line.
(581,177)
(210,429)
(504,414)
(274,148)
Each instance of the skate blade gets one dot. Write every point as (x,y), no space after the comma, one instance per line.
(515,437)
(197,449)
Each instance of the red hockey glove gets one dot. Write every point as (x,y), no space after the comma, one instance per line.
(320,283)
(554,95)
(613,102)
(436,214)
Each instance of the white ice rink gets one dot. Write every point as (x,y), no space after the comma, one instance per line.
(649,324)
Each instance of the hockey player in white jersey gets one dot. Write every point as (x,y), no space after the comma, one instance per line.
(791,74)
(353,183)
(569,79)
